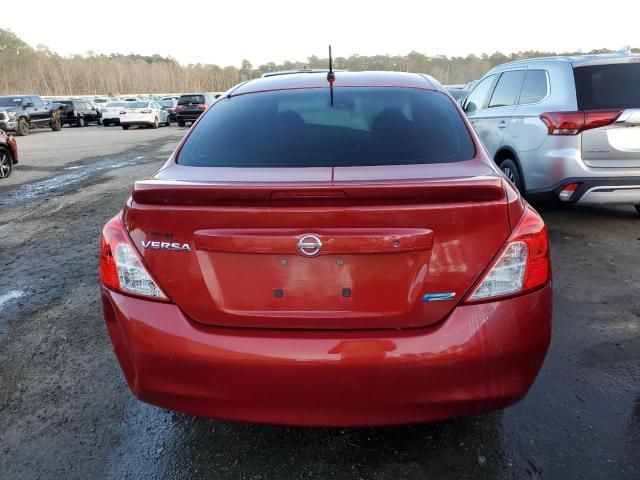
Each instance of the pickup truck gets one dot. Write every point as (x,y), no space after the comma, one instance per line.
(21,113)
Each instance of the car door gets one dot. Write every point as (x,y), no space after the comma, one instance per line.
(159,112)
(91,113)
(40,110)
(30,107)
(475,104)
(498,114)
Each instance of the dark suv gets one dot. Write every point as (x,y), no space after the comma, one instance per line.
(78,112)
(191,105)
(20,113)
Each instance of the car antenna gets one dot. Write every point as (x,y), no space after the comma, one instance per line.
(331,77)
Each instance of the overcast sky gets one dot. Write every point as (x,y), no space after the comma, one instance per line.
(275,30)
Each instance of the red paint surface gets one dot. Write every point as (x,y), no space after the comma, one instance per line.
(483,357)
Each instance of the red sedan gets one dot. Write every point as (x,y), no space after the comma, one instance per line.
(328,250)
(8,154)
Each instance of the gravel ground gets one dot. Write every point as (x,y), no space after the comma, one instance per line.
(66,412)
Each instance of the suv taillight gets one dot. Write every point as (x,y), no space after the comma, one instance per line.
(148,110)
(572,123)
(121,267)
(179,107)
(202,106)
(522,266)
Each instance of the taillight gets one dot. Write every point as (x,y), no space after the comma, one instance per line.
(123,112)
(202,106)
(179,107)
(121,267)
(145,111)
(572,123)
(522,266)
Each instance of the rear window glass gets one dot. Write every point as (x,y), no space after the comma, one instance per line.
(608,86)
(137,104)
(301,128)
(193,99)
(534,87)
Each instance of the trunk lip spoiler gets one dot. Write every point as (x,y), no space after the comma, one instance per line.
(445,190)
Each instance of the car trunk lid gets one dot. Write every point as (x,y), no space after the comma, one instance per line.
(319,248)
(616,145)
(611,85)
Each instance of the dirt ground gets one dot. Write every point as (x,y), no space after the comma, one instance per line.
(66,412)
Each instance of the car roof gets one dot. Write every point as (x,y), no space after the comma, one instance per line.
(577,60)
(342,79)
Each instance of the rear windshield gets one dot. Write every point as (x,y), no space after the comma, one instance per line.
(166,103)
(193,99)
(608,86)
(137,104)
(116,104)
(301,128)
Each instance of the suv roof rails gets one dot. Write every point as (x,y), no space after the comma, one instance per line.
(299,70)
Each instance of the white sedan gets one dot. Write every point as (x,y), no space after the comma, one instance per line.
(148,113)
(111,113)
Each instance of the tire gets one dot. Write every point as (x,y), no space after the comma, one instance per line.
(637,208)
(512,172)
(181,123)
(125,127)
(6,163)
(56,125)
(155,123)
(80,122)
(23,128)
(105,123)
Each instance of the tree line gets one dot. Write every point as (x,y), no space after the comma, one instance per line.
(25,69)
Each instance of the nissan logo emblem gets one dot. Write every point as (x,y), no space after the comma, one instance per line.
(309,245)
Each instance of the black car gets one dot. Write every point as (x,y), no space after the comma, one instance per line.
(21,113)
(191,105)
(78,112)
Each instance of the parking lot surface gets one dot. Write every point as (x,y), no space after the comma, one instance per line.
(66,412)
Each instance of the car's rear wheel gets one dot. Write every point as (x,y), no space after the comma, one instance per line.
(80,122)
(105,123)
(155,123)
(637,208)
(180,123)
(56,125)
(23,128)
(6,163)
(125,127)
(511,171)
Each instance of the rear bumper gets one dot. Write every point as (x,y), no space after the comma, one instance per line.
(594,191)
(188,116)
(136,122)
(482,358)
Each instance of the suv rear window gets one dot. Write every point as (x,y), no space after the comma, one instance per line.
(193,99)
(301,128)
(608,86)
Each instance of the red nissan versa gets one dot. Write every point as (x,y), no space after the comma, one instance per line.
(328,253)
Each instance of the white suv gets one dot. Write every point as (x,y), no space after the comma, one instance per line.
(564,128)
